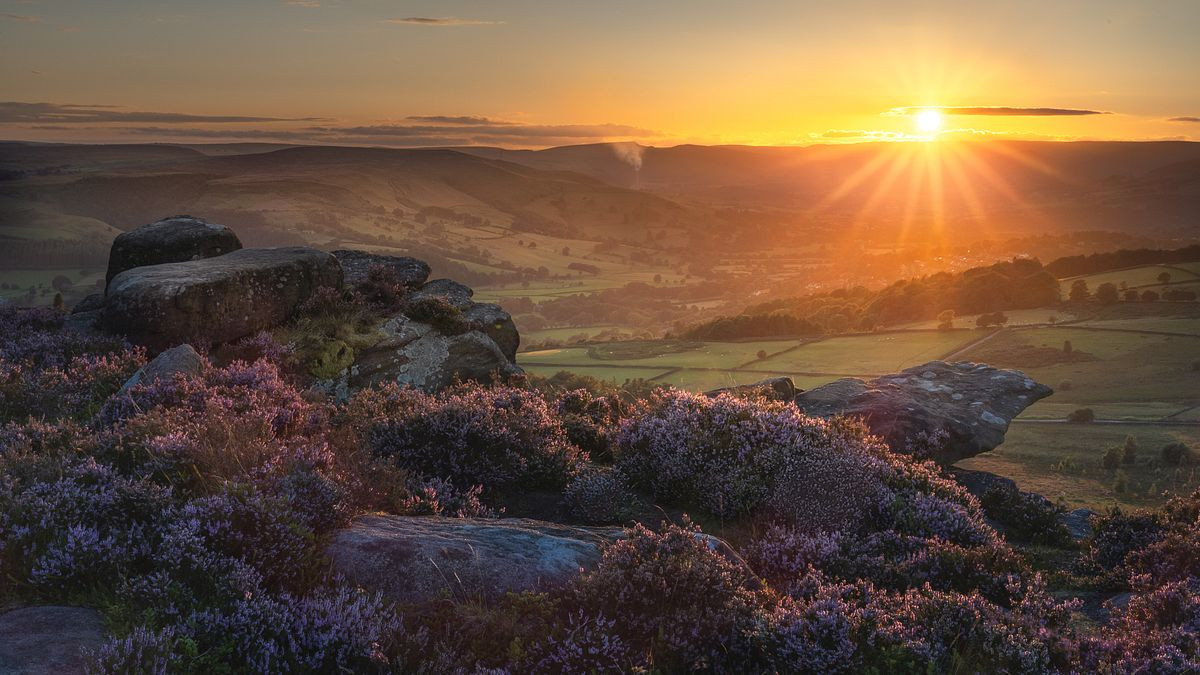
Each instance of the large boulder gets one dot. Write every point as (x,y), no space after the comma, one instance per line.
(415,559)
(449,290)
(175,239)
(217,299)
(415,354)
(494,322)
(972,403)
(356,264)
(48,639)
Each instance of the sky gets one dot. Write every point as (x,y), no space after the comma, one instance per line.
(535,74)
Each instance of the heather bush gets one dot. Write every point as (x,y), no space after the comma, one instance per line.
(438,497)
(589,421)
(1026,517)
(382,290)
(599,496)
(330,630)
(783,554)
(499,437)
(732,457)
(587,644)
(1115,536)
(82,530)
(671,596)
(437,312)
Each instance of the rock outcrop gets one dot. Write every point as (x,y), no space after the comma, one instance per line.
(494,322)
(48,639)
(415,559)
(176,360)
(175,239)
(772,388)
(972,403)
(452,292)
(217,299)
(356,264)
(415,354)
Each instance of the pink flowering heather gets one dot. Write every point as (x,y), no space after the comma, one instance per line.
(498,438)
(671,594)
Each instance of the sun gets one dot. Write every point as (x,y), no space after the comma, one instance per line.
(929,121)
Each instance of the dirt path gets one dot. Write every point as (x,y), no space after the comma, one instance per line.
(971,345)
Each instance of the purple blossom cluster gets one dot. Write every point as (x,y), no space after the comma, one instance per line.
(194,510)
(49,372)
(330,630)
(599,496)
(500,437)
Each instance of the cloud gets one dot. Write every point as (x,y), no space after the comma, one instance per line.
(1184,119)
(526,131)
(17,112)
(507,134)
(441,21)
(461,119)
(996,110)
(20,17)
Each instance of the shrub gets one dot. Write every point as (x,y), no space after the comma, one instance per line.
(600,497)
(1082,416)
(499,438)
(731,457)
(437,312)
(670,595)
(1111,459)
(382,289)
(1026,517)
(1177,454)
(1115,535)
(334,630)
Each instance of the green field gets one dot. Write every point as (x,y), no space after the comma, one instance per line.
(1138,276)
(1138,382)
(83,283)
(1062,461)
(873,354)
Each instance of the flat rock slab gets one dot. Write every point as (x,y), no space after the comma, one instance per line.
(216,299)
(972,403)
(772,388)
(175,239)
(48,640)
(357,264)
(416,559)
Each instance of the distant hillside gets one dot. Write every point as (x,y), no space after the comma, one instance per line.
(1015,186)
(434,199)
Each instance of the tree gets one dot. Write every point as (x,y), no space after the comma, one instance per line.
(1131,295)
(991,319)
(1082,416)
(1176,454)
(1106,294)
(1129,450)
(58,301)
(566,250)
(1111,459)
(1164,278)
(945,319)
(61,283)
(1067,349)
(1079,291)
(1149,296)
(762,354)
